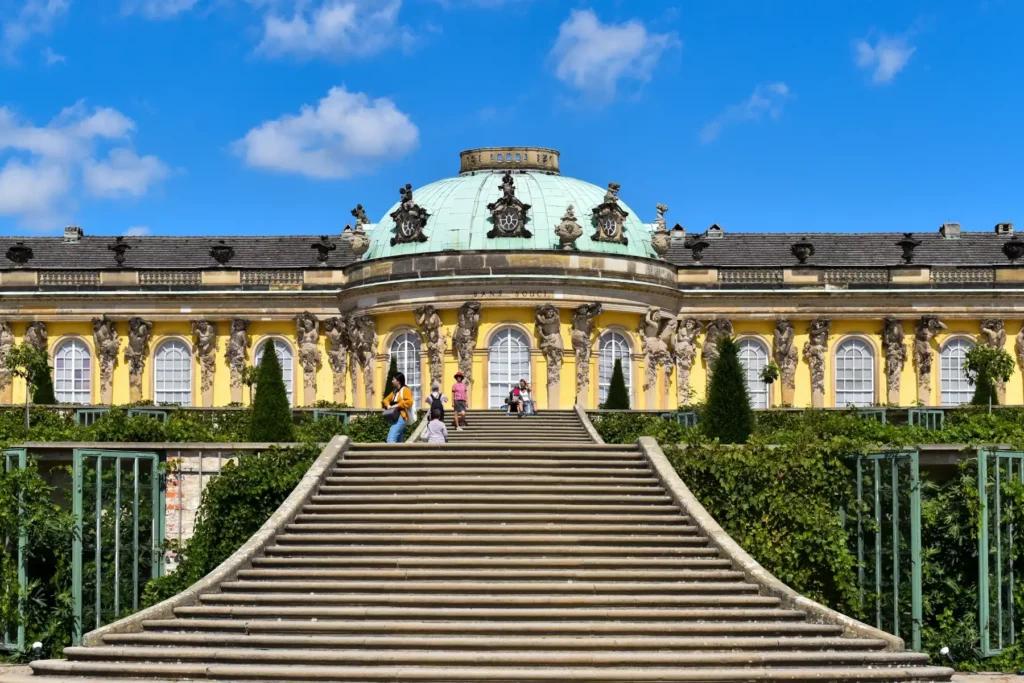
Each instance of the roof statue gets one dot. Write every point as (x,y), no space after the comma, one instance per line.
(508,214)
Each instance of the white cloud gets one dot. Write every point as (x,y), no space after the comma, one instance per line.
(334,29)
(137,231)
(594,57)
(33,17)
(886,58)
(345,134)
(157,9)
(52,57)
(44,168)
(122,174)
(768,98)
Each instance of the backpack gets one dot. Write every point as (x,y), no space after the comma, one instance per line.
(437,402)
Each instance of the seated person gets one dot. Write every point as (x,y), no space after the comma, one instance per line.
(513,404)
(526,398)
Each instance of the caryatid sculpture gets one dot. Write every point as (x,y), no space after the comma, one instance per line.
(993,334)
(136,353)
(927,329)
(35,335)
(814,353)
(307,336)
(237,354)
(685,355)
(104,335)
(895,357)
(786,357)
(549,330)
(717,329)
(1020,349)
(656,332)
(465,337)
(429,322)
(336,329)
(205,333)
(6,344)
(362,334)
(582,345)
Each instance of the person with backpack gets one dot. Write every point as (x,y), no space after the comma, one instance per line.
(435,400)
(397,405)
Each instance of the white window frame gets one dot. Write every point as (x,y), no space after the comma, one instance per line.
(72,356)
(612,346)
(409,350)
(501,376)
(753,354)
(954,387)
(172,373)
(854,362)
(284,353)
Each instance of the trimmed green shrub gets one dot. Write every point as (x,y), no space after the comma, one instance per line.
(985,366)
(271,410)
(392,371)
(42,394)
(618,394)
(727,415)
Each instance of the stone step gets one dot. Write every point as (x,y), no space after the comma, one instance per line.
(319,599)
(568,520)
(503,507)
(438,657)
(706,559)
(457,540)
(507,446)
(510,497)
(497,577)
(520,588)
(490,477)
(767,628)
(730,614)
(491,643)
(470,486)
(480,464)
(542,551)
(438,674)
(306,527)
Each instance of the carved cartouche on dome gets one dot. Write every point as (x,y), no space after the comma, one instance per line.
(610,218)
(508,214)
(410,219)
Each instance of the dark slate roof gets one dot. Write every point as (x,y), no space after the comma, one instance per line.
(176,253)
(878,249)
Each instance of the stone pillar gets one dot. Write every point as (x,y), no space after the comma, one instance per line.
(135,354)
(814,353)
(307,337)
(786,357)
(107,343)
(927,328)
(6,379)
(205,345)
(236,355)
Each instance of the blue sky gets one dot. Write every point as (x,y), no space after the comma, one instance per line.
(278,116)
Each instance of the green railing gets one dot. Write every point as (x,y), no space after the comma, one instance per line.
(877,414)
(88,416)
(890,539)
(995,546)
(929,419)
(124,531)
(16,458)
(155,413)
(339,415)
(686,418)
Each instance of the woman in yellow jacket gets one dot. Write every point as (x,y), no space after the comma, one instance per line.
(401,400)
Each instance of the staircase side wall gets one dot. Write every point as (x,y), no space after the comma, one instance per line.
(754,572)
(242,558)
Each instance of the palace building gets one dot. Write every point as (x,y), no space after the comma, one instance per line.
(512,270)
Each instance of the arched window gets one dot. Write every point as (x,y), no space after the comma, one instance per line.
(855,374)
(406,352)
(172,373)
(754,357)
(284,356)
(953,382)
(613,347)
(508,362)
(72,372)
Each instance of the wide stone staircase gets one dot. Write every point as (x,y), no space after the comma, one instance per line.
(493,426)
(518,558)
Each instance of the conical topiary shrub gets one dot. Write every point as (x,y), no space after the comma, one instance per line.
(392,371)
(727,415)
(43,394)
(618,394)
(271,410)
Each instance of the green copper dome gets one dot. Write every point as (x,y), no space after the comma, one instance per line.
(459,218)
